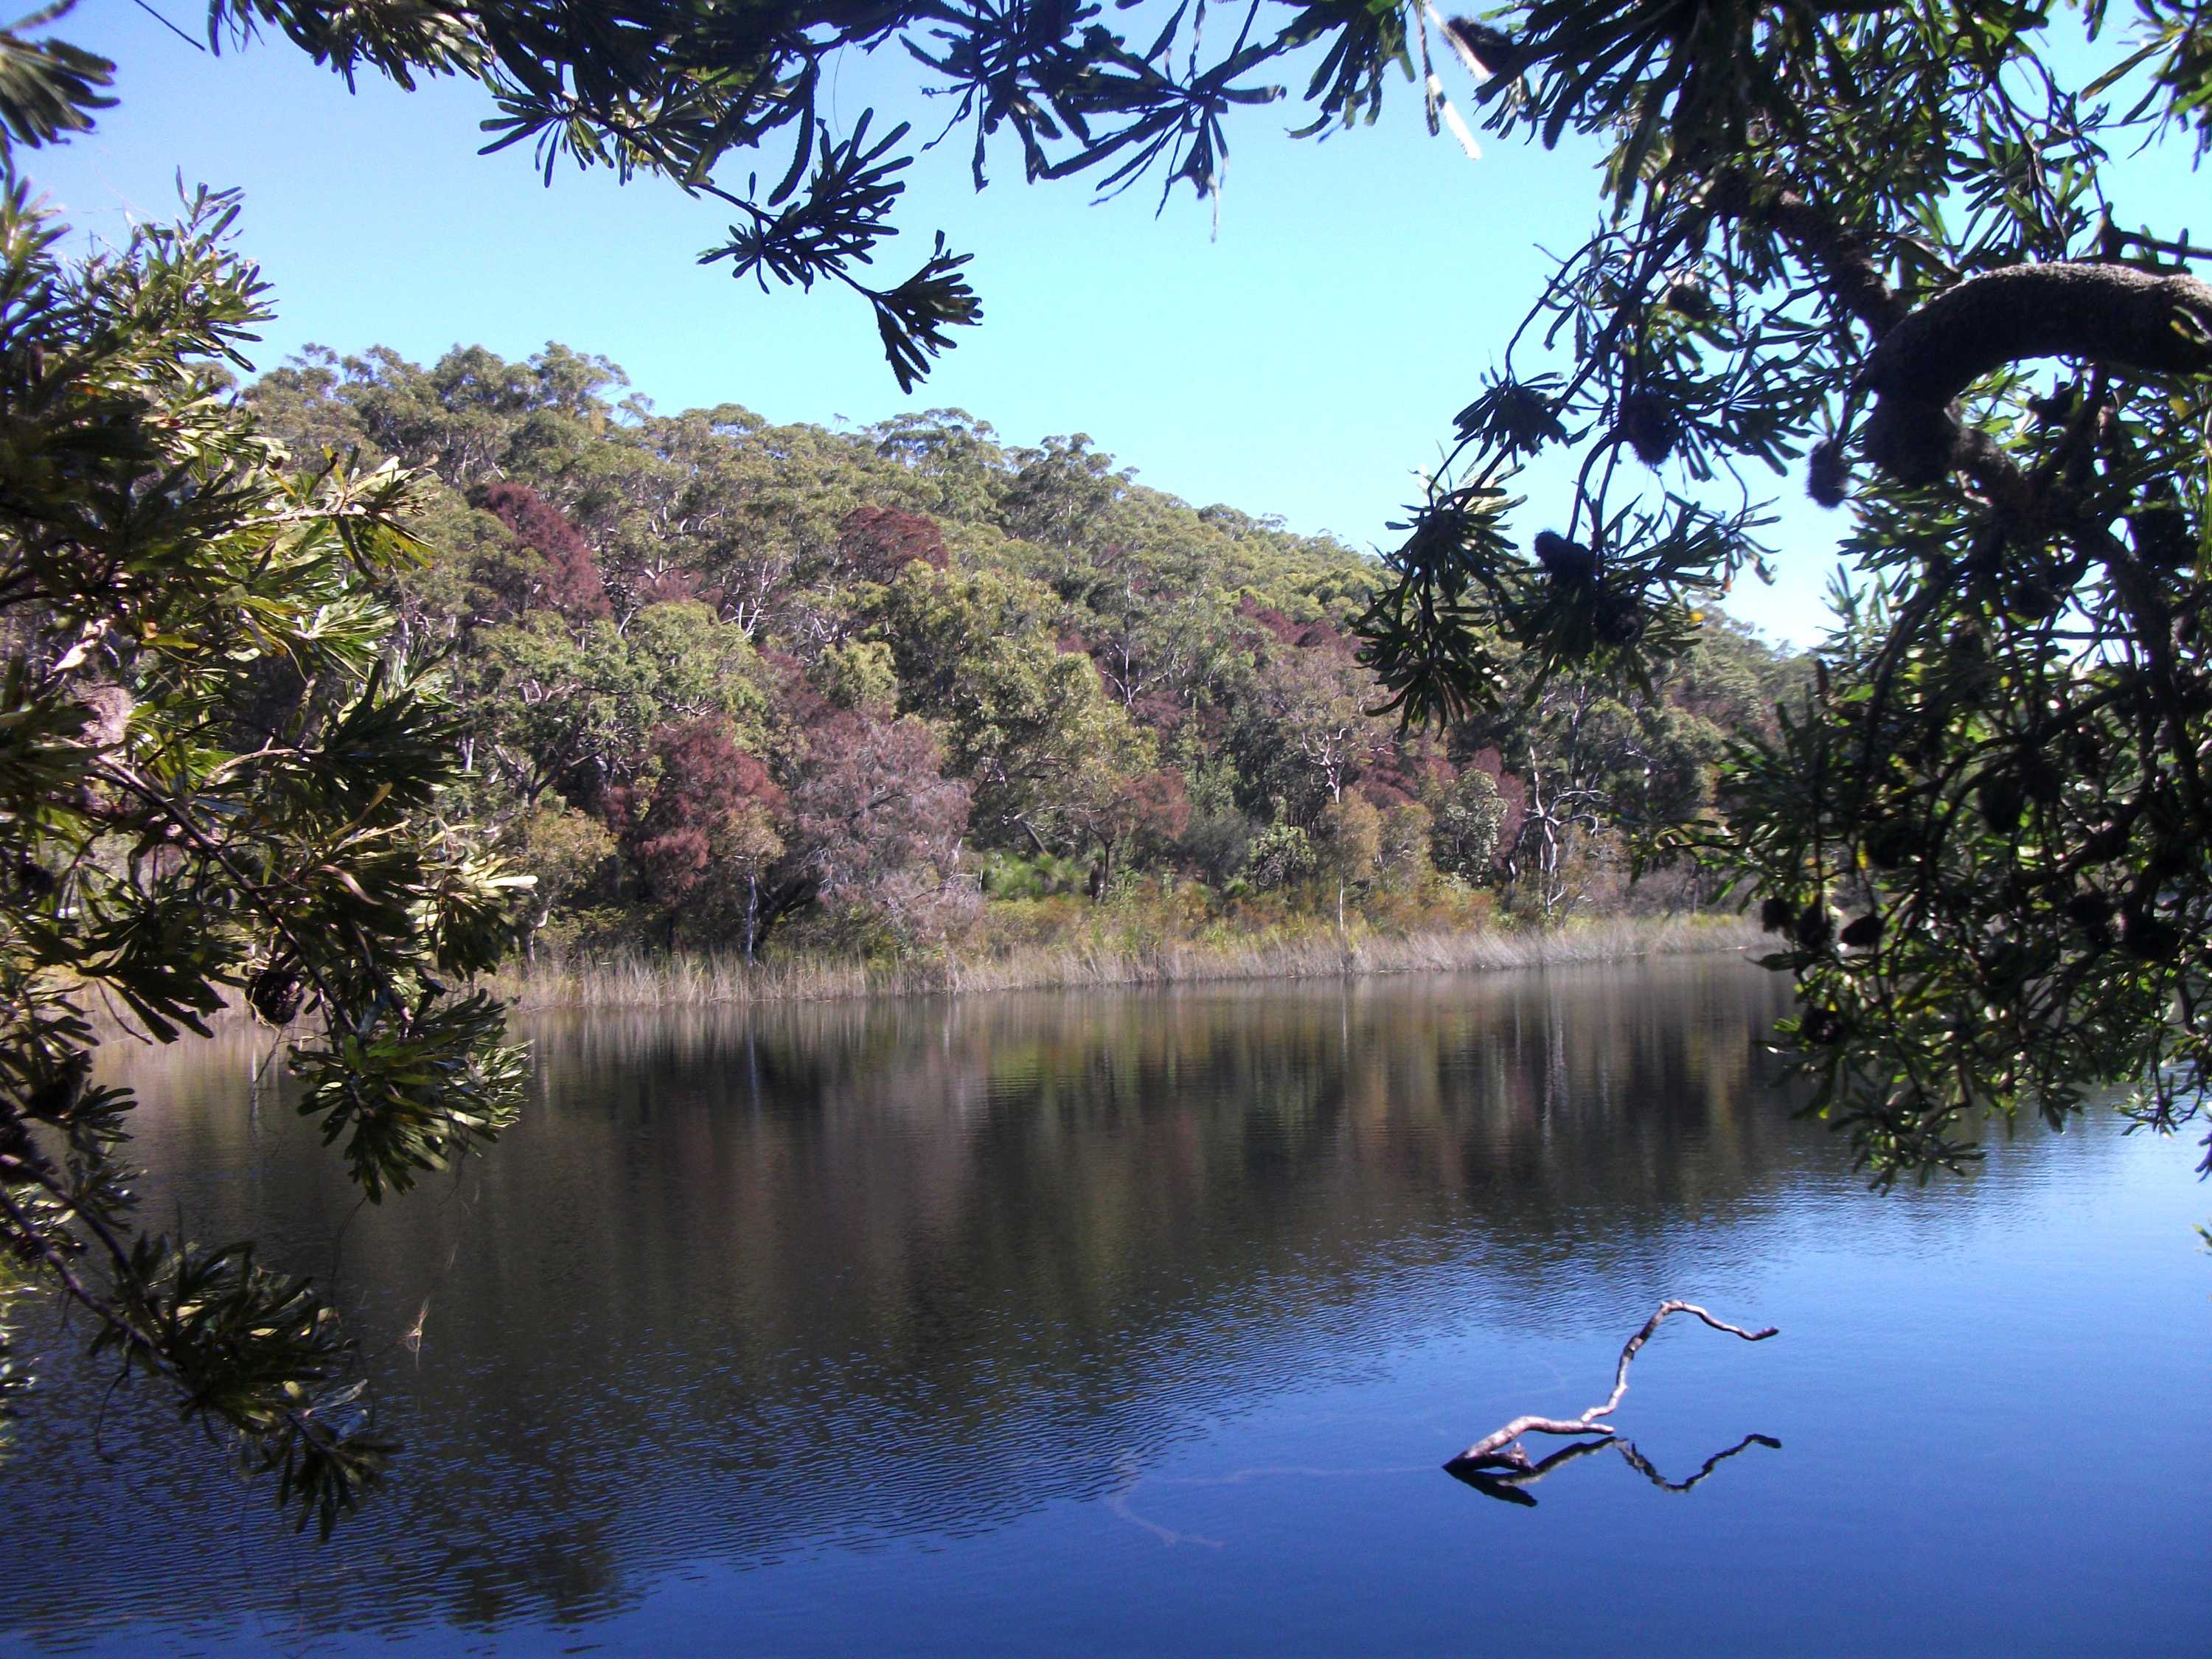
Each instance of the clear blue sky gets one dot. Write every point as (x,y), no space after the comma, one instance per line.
(1304,362)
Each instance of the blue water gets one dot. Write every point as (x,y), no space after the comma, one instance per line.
(1142,1325)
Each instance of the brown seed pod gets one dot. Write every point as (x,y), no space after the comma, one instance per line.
(2161,534)
(1617,620)
(1827,475)
(1820,1027)
(1891,842)
(55,1088)
(2091,910)
(2171,856)
(2002,801)
(1565,560)
(2040,780)
(2033,597)
(2147,938)
(1648,426)
(274,993)
(1688,297)
(1816,926)
(2106,841)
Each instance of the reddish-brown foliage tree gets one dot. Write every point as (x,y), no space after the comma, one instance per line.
(572,584)
(1510,789)
(1270,623)
(874,544)
(872,820)
(703,779)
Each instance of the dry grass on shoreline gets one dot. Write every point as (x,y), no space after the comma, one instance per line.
(703,981)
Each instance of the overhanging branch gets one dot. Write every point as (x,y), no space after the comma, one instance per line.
(2114,316)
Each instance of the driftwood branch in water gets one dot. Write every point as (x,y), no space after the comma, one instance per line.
(1506,1485)
(1501,1449)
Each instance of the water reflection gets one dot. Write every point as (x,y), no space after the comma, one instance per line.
(743,1289)
(1510,1486)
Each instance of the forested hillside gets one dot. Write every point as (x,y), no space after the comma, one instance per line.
(737,686)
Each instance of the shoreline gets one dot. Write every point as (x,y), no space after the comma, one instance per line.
(706,981)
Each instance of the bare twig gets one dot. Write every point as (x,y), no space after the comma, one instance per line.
(1501,1449)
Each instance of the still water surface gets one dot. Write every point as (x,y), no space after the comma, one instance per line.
(1142,1323)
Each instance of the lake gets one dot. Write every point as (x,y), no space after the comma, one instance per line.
(1142,1324)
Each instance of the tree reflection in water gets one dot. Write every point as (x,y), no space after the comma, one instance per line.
(1509,1485)
(742,1288)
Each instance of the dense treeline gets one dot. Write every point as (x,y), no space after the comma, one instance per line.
(727,682)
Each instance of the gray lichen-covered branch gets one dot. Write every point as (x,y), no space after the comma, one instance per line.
(2112,315)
